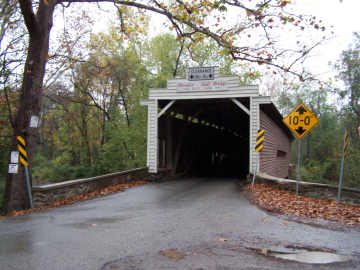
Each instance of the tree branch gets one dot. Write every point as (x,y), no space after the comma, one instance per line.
(9,108)
(178,60)
(237,53)
(29,16)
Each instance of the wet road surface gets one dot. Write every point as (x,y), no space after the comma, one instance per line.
(188,224)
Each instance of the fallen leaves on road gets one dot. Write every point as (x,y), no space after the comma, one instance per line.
(173,254)
(277,200)
(81,197)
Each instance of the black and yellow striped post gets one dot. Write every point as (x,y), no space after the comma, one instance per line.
(259,145)
(344,152)
(21,146)
(259,140)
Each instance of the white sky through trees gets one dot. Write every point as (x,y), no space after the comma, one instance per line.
(341,17)
(344,17)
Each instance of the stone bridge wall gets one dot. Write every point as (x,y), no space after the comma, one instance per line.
(49,194)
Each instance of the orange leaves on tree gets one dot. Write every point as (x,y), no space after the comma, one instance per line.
(284,3)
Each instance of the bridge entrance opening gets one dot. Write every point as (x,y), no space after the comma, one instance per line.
(206,125)
(205,137)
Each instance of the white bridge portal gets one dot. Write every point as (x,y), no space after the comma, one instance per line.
(205,123)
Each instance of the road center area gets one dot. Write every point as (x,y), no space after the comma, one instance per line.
(197,223)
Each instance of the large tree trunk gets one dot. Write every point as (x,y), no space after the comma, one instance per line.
(16,197)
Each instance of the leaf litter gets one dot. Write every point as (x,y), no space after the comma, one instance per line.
(274,199)
(78,198)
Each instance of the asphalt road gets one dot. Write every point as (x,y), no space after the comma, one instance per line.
(188,224)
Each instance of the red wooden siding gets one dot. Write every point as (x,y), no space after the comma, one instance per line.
(275,156)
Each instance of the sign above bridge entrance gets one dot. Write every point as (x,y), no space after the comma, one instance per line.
(201,73)
(215,85)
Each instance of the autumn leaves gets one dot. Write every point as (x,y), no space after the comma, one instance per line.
(277,200)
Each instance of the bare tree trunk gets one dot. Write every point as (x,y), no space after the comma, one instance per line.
(178,60)
(15,197)
(125,105)
(85,135)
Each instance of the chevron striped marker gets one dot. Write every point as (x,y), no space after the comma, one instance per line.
(258,147)
(22,149)
(24,161)
(259,140)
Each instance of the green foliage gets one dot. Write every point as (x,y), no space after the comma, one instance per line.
(321,148)
(165,59)
(126,147)
(351,168)
(100,127)
(349,71)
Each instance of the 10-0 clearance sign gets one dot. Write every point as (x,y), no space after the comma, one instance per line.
(301,120)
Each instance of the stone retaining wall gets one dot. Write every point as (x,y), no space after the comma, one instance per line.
(48,194)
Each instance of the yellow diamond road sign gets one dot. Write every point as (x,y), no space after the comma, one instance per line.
(301,120)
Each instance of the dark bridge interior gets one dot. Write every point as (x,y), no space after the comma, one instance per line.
(205,138)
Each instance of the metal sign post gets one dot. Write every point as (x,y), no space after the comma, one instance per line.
(298,178)
(300,121)
(254,175)
(345,148)
(23,160)
(258,147)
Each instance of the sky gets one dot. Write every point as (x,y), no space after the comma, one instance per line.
(344,17)
(341,14)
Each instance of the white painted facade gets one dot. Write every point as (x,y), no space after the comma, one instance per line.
(175,91)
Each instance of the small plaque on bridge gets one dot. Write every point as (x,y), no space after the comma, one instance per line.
(201,73)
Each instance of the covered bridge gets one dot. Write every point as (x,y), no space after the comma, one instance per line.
(207,125)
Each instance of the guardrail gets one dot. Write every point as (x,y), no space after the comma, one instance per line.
(264,176)
(310,189)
